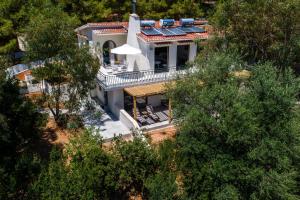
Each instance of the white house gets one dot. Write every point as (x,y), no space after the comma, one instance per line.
(28,85)
(131,78)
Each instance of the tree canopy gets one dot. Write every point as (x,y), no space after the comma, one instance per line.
(238,139)
(261,30)
(20,126)
(68,69)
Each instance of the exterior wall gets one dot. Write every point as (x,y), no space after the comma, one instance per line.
(193,52)
(154,100)
(99,40)
(116,101)
(129,122)
(143,62)
(172,55)
(151,55)
(99,93)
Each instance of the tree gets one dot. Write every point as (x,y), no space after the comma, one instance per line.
(238,139)
(162,184)
(20,126)
(50,37)
(136,162)
(14,15)
(85,171)
(88,10)
(112,10)
(261,30)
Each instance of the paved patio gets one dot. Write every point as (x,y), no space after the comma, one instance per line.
(104,123)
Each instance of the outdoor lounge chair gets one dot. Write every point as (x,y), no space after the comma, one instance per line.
(149,121)
(149,109)
(162,117)
(139,118)
(166,112)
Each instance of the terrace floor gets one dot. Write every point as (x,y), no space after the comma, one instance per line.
(104,123)
(161,112)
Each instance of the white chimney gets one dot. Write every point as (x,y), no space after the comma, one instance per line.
(134,28)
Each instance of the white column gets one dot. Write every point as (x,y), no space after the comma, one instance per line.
(193,52)
(172,55)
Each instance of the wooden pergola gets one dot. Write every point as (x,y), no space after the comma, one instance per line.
(145,91)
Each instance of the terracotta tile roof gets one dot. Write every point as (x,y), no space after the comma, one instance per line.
(111,30)
(106,27)
(21,76)
(108,24)
(116,25)
(121,27)
(158,38)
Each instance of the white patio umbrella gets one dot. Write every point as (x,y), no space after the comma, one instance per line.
(126,49)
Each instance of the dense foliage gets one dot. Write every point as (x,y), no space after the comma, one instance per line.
(238,139)
(86,171)
(261,30)
(20,125)
(14,16)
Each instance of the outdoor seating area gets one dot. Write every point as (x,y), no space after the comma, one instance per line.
(147,104)
(116,67)
(150,115)
(116,62)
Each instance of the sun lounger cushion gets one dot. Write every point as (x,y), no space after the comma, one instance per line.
(161,116)
(151,114)
(150,121)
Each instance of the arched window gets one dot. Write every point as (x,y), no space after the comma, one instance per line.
(107,56)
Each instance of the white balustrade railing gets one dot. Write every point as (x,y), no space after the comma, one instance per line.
(126,79)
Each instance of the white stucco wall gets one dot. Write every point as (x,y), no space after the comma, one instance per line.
(143,60)
(193,52)
(151,55)
(99,93)
(115,101)
(172,55)
(128,121)
(118,39)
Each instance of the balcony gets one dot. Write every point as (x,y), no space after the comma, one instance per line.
(127,79)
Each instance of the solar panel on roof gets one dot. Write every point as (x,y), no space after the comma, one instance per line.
(171,31)
(151,31)
(192,29)
(197,29)
(177,31)
(186,29)
(166,32)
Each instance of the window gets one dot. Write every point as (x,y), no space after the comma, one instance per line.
(183,52)
(108,57)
